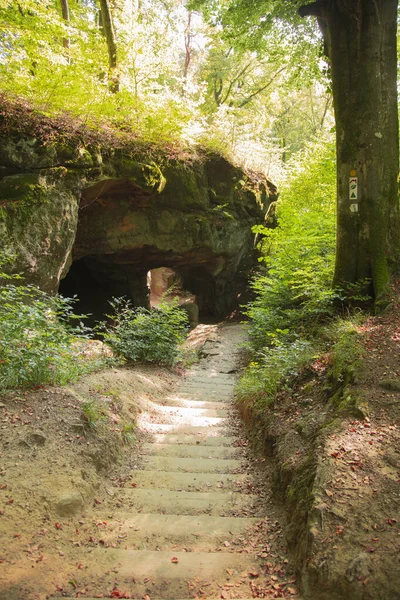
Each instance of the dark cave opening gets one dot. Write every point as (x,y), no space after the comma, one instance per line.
(96,280)
(93,295)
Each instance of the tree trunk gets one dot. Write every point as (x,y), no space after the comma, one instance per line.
(65,14)
(188,47)
(108,28)
(360,40)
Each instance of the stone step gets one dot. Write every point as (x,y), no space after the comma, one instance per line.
(181,421)
(153,531)
(216,430)
(164,574)
(190,451)
(195,482)
(190,413)
(184,503)
(209,376)
(183,402)
(194,439)
(213,388)
(192,465)
(201,395)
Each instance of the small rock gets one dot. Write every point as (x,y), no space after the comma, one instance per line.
(69,504)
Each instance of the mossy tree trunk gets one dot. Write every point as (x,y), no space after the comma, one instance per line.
(360,41)
(108,28)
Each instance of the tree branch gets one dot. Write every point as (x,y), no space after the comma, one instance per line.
(234,80)
(315,9)
(261,89)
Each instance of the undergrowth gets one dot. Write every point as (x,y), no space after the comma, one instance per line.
(139,334)
(294,300)
(41,340)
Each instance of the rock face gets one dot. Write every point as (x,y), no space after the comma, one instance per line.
(98,220)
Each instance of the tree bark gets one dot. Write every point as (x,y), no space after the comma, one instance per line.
(108,28)
(360,41)
(65,14)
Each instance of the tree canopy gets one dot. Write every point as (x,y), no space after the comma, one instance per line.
(360,44)
(254,84)
(159,68)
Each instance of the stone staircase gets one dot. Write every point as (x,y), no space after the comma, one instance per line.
(175,525)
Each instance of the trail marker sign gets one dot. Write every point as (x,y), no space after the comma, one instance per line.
(353,188)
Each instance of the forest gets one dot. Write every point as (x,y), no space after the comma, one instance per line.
(290,108)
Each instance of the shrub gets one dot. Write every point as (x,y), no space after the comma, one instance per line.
(140,334)
(38,342)
(294,291)
(262,379)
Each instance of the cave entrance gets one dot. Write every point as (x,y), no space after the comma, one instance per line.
(166,284)
(93,295)
(95,280)
(193,285)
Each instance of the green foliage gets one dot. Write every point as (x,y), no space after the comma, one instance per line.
(229,96)
(151,335)
(38,342)
(37,65)
(274,367)
(346,353)
(294,292)
(94,415)
(128,433)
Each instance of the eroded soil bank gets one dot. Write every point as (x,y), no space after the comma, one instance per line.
(334,435)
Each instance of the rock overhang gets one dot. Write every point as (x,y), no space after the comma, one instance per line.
(123,216)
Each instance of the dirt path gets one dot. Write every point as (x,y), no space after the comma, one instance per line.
(188,522)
